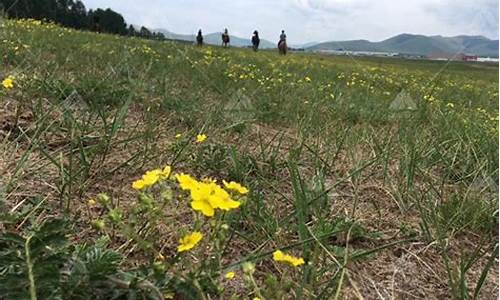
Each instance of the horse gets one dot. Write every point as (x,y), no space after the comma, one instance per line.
(225,40)
(282,47)
(255,43)
(199,39)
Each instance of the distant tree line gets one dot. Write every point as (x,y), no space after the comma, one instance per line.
(72,13)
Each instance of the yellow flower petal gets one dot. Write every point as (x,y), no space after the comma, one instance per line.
(234,186)
(138,185)
(229,275)
(204,207)
(186,182)
(165,173)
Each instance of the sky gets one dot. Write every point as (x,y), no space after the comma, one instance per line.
(313,20)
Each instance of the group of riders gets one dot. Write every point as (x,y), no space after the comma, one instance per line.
(282,45)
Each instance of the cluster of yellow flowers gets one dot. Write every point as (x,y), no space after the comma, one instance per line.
(32,24)
(207,195)
(8,82)
(279,256)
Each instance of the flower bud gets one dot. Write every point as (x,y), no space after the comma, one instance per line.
(103,199)
(115,215)
(248,268)
(98,224)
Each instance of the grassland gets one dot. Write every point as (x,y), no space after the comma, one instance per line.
(380,173)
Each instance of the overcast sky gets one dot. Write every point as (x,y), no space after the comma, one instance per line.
(313,20)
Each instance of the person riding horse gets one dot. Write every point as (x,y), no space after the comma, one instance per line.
(282,45)
(199,38)
(225,38)
(255,41)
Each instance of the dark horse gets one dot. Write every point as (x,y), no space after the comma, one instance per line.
(199,38)
(283,47)
(255,41)
(225,39)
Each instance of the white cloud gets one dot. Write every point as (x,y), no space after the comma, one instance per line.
(314,20)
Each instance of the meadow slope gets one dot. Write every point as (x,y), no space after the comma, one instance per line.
(379,176)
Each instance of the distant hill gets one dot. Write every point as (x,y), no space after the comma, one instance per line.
(215,39)
(418,45)
(175,36)
(306,45)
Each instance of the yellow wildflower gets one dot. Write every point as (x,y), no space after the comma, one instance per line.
(148,179)
(307,78)
(178,136)
(186,182)
(229,275)
(200,138)
(8,82)
(279,256)
(234,186)
(189,241)
(91,202)
(206,195)
(221,199)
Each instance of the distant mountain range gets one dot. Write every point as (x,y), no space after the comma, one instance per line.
(215,39)
(418,45)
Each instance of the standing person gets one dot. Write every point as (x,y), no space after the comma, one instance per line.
(282,37)
(255,41)
(199,38)
(282,45)
(225,38)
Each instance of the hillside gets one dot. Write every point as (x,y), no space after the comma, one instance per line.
(419,45)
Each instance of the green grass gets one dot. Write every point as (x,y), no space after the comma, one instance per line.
(336,176)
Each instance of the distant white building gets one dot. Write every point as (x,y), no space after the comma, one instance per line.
(487,59)
(451,56)
(358,53)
